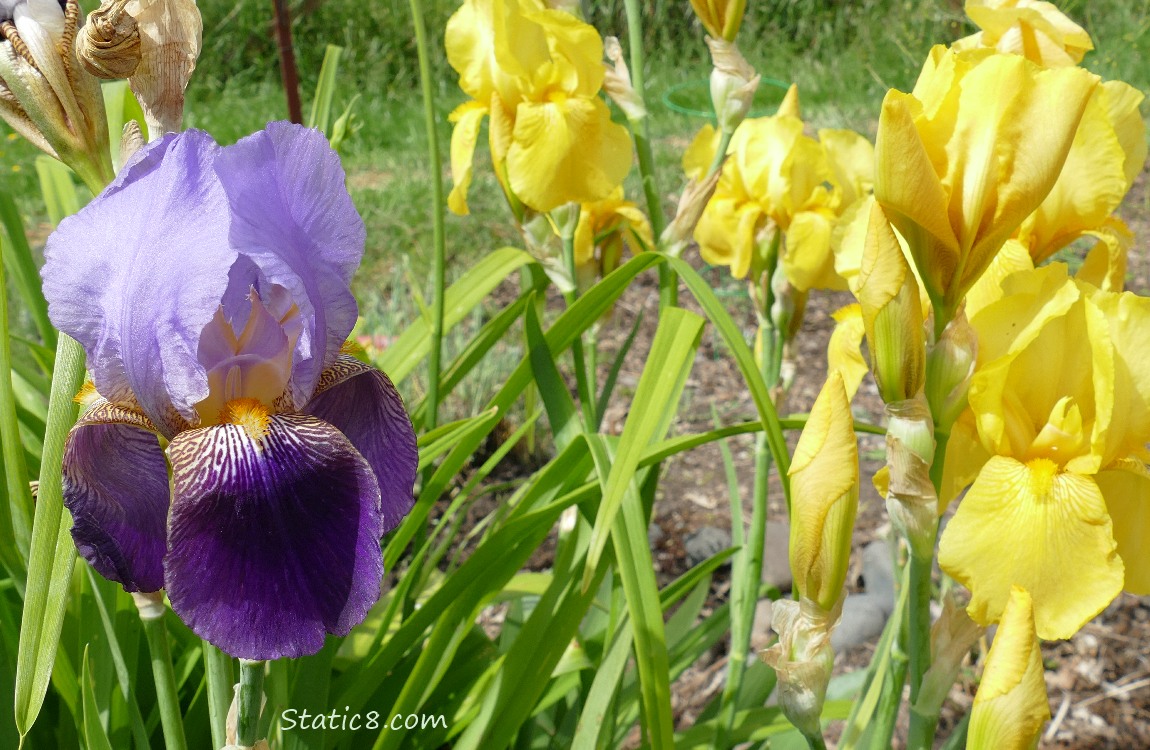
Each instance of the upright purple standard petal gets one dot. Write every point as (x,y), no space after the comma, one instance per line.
(292,216)
(364,405)
(116,487)
(274,535)
(137,274)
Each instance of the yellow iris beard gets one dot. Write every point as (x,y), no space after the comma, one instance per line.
(249,414)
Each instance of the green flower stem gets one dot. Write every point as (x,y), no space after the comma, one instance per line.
(641,133)
(584,382)
(438,206)
(815,742)
(249,702)
(221,688)
(743,615)
(531,394)
(152,611)
(592,371)
(94,170)
(918,637)
(923,725)
(922,729)
(721,152)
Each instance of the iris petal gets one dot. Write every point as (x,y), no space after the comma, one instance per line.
(292,217)
(1127,493)
(363,404)
(116,487)
(138,307)
(274,537)
(1026,525)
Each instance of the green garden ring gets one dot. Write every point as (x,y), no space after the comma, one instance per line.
(684,97)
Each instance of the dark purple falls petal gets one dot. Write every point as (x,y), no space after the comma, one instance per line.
(273,540)
(116,487)
(364,405)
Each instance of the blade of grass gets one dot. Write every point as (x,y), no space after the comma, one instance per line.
(661,383)
(488,336)
(747,365)
(881,676)
(616,366)
(16,508)
(52,552)
(60,198)
(94,735)
(18,258)
(561,411)
(320,114)
(401,358)
(139,734)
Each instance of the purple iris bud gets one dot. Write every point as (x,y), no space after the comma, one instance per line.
(210,289)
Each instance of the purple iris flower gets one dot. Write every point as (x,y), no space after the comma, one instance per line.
(209,287)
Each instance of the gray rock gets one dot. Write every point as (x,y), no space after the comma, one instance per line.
(878,572)
(864,617)
(776,556)
(706,542)
(654,534)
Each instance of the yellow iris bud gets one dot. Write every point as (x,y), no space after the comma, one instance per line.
(1011,704)
(824,486)
(721,18)
(887,292)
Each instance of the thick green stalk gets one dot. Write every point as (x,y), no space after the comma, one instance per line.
(641,133)
(438,206)
(918,636)
(152,610)
(250,702)
(584,382)
(815,742)
(922,725)
(920,736)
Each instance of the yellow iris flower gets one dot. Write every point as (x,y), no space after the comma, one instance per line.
(1034,29)
(536,73)
(1107,154)
(603,228)
(777,178)
(968,155)
(1011,704)
(1056,437)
